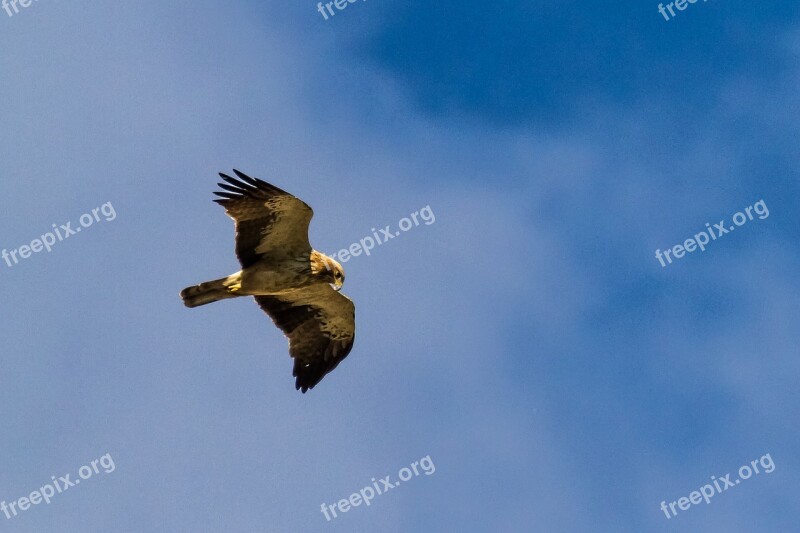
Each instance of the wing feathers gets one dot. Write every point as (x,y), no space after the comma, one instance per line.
(229,188)
(320,325)
(272,229)
(268,220)
(248,179)
(227,195)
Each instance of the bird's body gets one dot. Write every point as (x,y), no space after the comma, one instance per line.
(294,284)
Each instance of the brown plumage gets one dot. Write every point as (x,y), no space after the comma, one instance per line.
(294,284)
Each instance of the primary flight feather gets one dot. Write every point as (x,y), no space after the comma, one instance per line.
(297,286)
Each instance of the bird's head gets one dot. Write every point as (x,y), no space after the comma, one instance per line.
(327,269)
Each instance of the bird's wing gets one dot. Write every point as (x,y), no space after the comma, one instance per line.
(268,219)
(320,325)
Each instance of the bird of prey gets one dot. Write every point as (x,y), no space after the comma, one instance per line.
(297,286)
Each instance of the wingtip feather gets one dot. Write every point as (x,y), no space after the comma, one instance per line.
(244,177)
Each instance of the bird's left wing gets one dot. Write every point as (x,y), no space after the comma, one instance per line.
(268,219)
(320,325)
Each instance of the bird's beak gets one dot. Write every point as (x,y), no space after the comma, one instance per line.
(336,286)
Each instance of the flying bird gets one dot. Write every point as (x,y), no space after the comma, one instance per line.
(297,286)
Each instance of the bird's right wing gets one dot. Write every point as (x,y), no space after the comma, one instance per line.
(320,325)
(268,219)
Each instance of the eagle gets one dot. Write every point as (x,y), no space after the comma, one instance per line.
(297,286)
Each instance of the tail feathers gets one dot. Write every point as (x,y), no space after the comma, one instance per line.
(206,293)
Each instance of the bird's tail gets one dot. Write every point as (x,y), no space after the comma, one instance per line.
(206,293)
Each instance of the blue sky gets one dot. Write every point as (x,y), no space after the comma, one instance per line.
(528,341)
